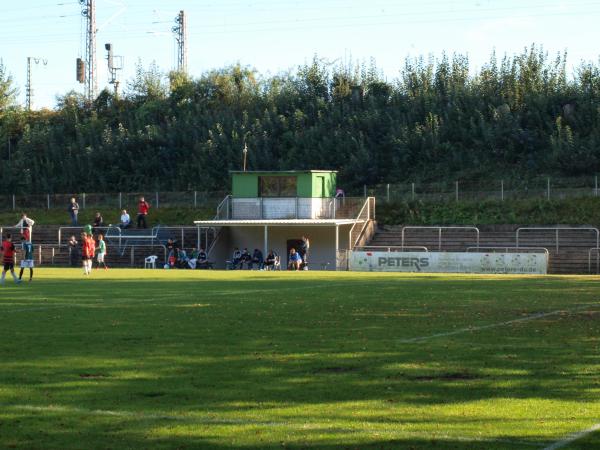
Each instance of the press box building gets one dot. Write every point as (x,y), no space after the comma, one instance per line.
(274,209)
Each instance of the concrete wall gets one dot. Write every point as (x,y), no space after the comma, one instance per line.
(322,243)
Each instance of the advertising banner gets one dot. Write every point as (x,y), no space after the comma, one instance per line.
(449,262)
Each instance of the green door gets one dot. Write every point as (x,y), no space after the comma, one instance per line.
(320,187)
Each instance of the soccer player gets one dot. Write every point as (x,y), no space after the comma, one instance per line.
(27,259)
(8,249)
(101,251)
(87,252)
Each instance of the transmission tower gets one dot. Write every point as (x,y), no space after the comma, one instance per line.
(88,11)
(28,86)
(180,31)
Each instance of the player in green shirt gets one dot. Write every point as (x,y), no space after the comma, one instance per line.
(27,258)
(101,251)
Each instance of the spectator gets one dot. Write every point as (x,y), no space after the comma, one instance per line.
(257,258)
(98,221)
(246,258)
(73,209)
(304,248)
(193,261)
(295,260)
(271,260)
(125,220)
(202,259)
(182,259)
(25,224)
(143,207)
(339,193)
(74,253)
(236,258)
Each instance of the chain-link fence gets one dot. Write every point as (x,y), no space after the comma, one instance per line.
(461,190)
(116,201)
(492,189)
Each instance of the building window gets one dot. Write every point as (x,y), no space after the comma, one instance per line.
(278,186)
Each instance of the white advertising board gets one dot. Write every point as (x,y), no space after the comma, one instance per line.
(449,262)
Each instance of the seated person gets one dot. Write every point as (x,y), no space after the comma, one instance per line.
(202,259)
(246,258)
(171,259)
(182,259)
(257,258)
(193,261)
(271,259)
(295,260)
(236,258)
(98,221)
(125,221)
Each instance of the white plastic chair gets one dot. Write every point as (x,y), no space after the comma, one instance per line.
(150,262)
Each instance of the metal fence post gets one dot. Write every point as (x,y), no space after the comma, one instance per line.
(548,188)
(365,190)
(388,192)
(84,200)
(456,189)
(156,200)
(502,190)
(413,191)
(195,199)
(120,200)
(596,186)
(48,200)
(14,202)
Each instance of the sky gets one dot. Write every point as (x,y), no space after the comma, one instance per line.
(272,36)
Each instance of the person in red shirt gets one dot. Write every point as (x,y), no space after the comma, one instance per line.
(8,250)
(87,252)
(143,207)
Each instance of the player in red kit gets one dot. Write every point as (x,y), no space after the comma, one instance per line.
(8,251)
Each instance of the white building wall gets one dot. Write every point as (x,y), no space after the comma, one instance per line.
(282,208)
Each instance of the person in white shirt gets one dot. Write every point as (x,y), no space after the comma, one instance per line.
(125,219)
(25,225)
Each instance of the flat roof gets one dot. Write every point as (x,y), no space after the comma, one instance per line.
(282,222)
(282,171)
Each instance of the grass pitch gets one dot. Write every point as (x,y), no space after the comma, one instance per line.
(182,359)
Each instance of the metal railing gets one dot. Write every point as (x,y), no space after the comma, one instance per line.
(506,249)
(389,248)
(592,250)
(557,230)
(439,229)
(364,216)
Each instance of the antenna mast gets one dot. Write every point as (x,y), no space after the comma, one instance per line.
(180,31)
(29,86)
(88,11)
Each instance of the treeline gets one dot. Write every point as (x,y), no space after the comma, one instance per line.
(519,116)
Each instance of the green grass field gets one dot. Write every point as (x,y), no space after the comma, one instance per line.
(181,359)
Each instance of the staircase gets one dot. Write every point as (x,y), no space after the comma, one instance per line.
(571,256)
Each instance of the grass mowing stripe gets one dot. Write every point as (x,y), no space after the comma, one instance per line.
(573,437)
(215,421)
(495,325)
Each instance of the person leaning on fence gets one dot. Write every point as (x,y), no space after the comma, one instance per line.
(73,209)
(295,260)
(25,225)
(98,221)
(143,208)
(125,221)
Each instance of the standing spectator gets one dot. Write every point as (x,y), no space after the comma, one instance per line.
(98,221)
(202,259)
(26,225)
(73,209)
(74,253)
(304,248)
(8,249)
(257,258)
(143,207)
(125,220)
(295,260)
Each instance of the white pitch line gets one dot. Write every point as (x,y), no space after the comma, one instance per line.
(493,325)
(573,437)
